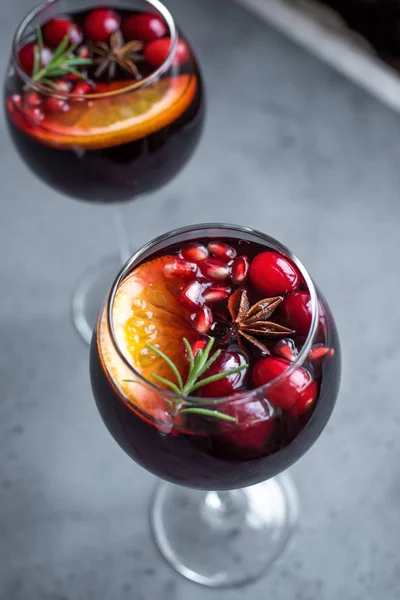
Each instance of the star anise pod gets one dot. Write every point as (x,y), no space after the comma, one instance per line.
(118,53)
(250,322)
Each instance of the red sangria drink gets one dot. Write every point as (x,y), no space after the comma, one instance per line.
(216,365)
(104,101)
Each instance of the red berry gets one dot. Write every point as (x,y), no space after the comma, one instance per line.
(192,295)
(305,400)
(17,100)
(82,88)
(240,269)
(216,293)
(26,57)
(203,319)
(194,252)
(296,310)
(214,269)
(228,385)
(286,393)
(100,24)
(57,29)
(34,114)
(55,105)
(222,251)
(180,268)
(254,424)
(273,274)
(33,99)
(145,27)
(156,52)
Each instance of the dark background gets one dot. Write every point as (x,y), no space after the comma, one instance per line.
(290,148)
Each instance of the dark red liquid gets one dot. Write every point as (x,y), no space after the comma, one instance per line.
(121,172)
(201,455)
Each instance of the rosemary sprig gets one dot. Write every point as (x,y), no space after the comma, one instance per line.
(63,62)
(199,364)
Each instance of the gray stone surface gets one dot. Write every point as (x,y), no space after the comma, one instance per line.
(290,148)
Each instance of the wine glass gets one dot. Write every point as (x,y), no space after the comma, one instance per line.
(225,510)
(103,135)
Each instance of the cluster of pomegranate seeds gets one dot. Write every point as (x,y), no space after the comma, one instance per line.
(214,275)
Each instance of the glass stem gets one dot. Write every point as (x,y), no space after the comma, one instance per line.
(124,244)
(225,510)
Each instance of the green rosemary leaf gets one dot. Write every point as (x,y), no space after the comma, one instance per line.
(190,353)
(169,363)
(168,383)
(61,49)
(77,61)
(210,361)
(208,413)
(77,73)
(49,83)
(39,36)
(217,377)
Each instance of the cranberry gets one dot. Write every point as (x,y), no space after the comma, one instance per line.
(100,24)
(286,393)
(305,400)
(228,385)
(222,251)
(34,114)
(26,57)
(254,424)
(240,269)
(145,27)
(273,274)
(214,269)
(194,252)
(180,268)
(55,105)
(297,312)
(156,52)
(57,29)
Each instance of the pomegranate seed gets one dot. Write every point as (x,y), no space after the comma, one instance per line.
(287,349)
(273,274)
(214,269)
(34,114)
(320,353)
(55,105)
(216,293)
(240,269)
(222,251)
(17,100)
(224,387)
(203,319)
(63,86)
(33,99)
(82,88)
(100,24)
(57,29)
(305,400)
(194,252)
(192,295)
(84,52)
(286,393)
(180,268)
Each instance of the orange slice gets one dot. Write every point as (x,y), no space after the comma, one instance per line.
(146,311)
(111,121)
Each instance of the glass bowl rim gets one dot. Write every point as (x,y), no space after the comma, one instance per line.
(239,396)
(24,24)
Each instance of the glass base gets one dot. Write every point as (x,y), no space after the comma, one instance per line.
(224,539)
(90,293)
